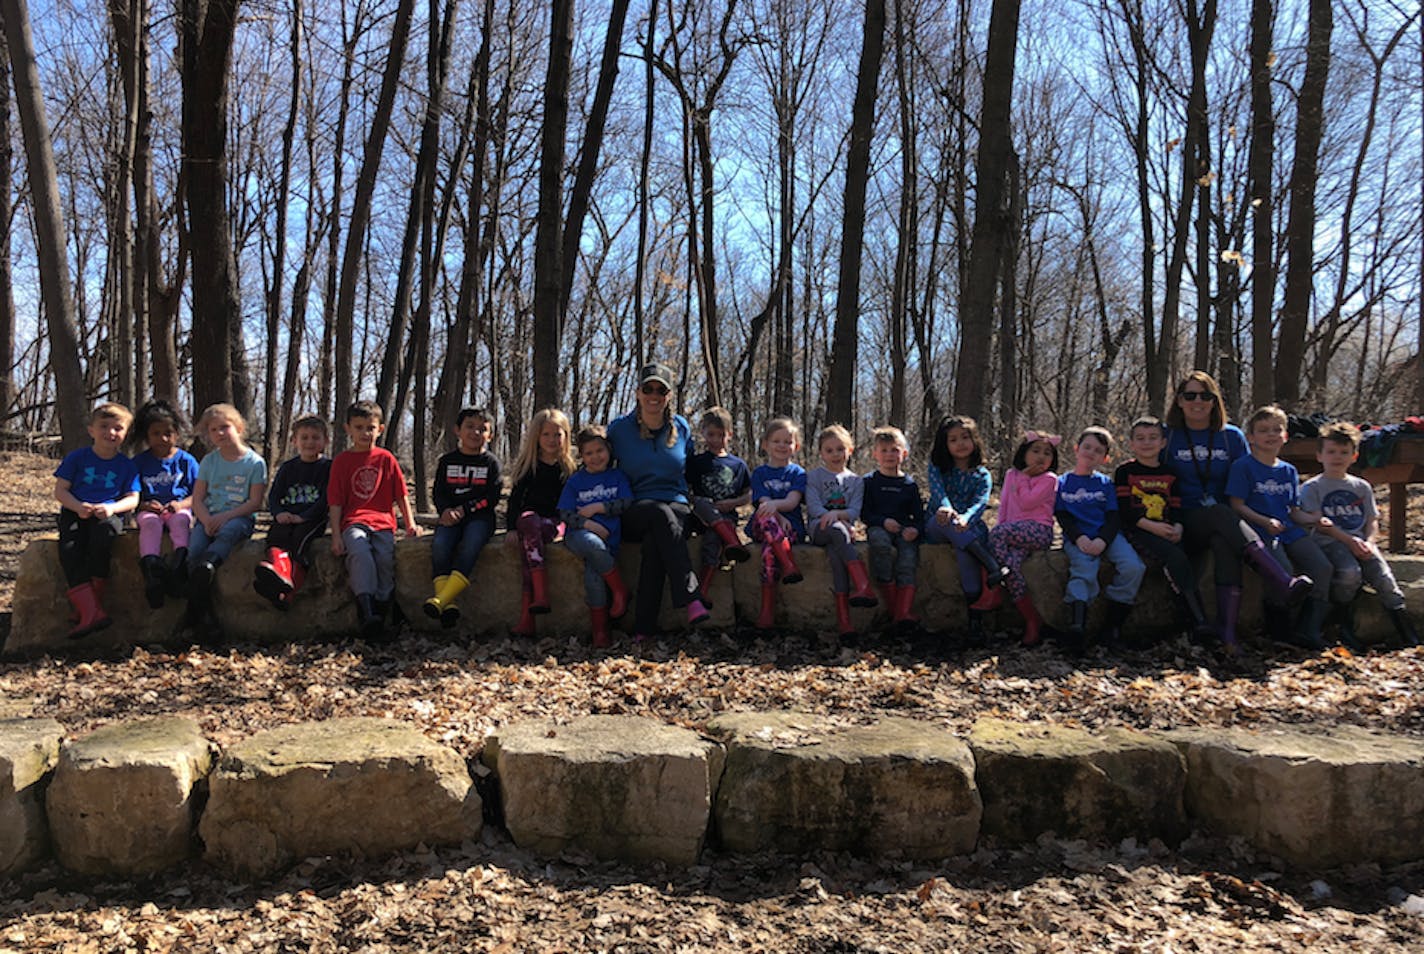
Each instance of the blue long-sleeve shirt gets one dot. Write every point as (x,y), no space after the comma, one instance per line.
(967,491)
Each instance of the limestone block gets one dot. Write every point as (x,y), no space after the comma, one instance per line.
(122,799)
(615,786)
(362,785)
(29,749)
(799,783)
(1316,799)
(490,606)
(1107,784)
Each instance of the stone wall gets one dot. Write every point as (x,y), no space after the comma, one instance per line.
(133,798)
(323,609)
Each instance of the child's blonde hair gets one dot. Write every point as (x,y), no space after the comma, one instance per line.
(890,435)
(528,457)
(1340,432)
(1268,413)
(1101,434)
(111,409)
(781,424)
(838,432)
(224,412)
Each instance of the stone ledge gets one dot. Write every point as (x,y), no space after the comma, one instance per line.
(29,751)
(324,610)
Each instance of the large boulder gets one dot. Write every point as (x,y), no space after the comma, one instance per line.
(1317,799)
(799,783)
(615,786)
(29,749)
(345,785)
(1107,784)
(122,800)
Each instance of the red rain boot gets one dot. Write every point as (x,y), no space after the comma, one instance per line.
(525,626)
(991,597)
(598,621)
(781,549)
(843,624)
(539,582)
(732,546)
(1033,622)
(767,618)
(862,595)
(904,600)
(618,590)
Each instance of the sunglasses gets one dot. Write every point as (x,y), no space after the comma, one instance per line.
(1206,396)
(657,389)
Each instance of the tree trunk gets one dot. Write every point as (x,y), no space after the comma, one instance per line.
(206,33)
(274,418)
(548,253)
(1262,197)
(7,288)
(361,212)
(976,319)
(1300,226)
(127,20)
(845,340)
(904,281)
(50,240)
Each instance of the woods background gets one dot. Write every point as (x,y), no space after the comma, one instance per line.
(1038,213)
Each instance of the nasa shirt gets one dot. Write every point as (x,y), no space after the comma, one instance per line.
(1270,490)
(1348,501)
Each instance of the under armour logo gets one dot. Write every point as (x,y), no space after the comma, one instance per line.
(91,476)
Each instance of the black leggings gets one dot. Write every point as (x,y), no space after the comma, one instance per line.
(296,538)
(85,544)
(661,527)
(1217,527)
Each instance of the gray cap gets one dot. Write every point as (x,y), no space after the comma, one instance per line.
(660,373)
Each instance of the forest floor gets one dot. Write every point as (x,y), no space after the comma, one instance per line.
(1208,894)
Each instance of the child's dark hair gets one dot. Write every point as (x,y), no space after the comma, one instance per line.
(364,409)
(476,412)
(939,451)
(312,422)
(1340,432)
(1031,438)
(154,412)
(593,432)
(1147,420)
(1101,434)
(715,417)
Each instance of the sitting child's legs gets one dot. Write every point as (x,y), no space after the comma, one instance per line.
(1128,571)
(597,562)
(150,533)
(1347,573)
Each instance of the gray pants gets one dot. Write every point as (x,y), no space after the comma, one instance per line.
(1304,556)
(370,560)
(839,552)
(893,559)
(1350,572)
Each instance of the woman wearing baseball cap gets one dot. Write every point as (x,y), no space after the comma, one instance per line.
(652,445)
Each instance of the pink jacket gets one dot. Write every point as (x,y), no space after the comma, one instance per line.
(1028,498)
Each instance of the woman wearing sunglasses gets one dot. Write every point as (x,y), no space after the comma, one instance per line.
(652,445)
(1201,446)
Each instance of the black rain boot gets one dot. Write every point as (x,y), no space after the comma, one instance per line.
(1345,615)
(1201,630)
(1310,624)
(154,582)
(1111,633)
(201,615)
(1075,637)
(995,573)
(372,628)
(177,575)
(974,635)
(1404,628)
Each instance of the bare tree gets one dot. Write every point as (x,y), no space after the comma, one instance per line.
(7,288)
(548,252)
(1261,192)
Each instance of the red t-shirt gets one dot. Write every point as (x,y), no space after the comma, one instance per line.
(366,487)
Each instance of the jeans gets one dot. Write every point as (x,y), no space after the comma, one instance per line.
(216,549)
(893,559)
(458,547)
(970,580)
(1083,572)
(597,560)
(1350,571)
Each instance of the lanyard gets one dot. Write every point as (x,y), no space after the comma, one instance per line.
(1203,473)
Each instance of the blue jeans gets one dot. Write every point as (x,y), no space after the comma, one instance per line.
(458,547)
(1083,572)
(217,549)
(893,559)
(597,560)
(969,568)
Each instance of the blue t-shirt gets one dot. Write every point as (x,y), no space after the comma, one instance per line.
(717,478)
(230,482)
(606,486)
(166,480)
(776,483)
(1088,500)
(1202,460)
(654,470)
(94,480)
(1270,490)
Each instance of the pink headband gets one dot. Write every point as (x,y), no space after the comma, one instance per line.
(1032,437)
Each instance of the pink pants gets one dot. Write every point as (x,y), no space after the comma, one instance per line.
(767,530)
(150,530)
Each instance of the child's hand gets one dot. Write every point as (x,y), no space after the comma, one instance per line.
(338,546)
(596,528)
(213,523)
(99,511)
(285,517)
(413,530)
(944,515)
(591,510)
(910,534)
(1362,549)
(785,524)
(960,523)
(152,506)
(1325,523)
(824,521)
(449,516)
(1176,533)
(767,507)
(85,511)
(892,526)
(1274,527)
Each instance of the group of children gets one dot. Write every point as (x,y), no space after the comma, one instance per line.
(1131,520)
